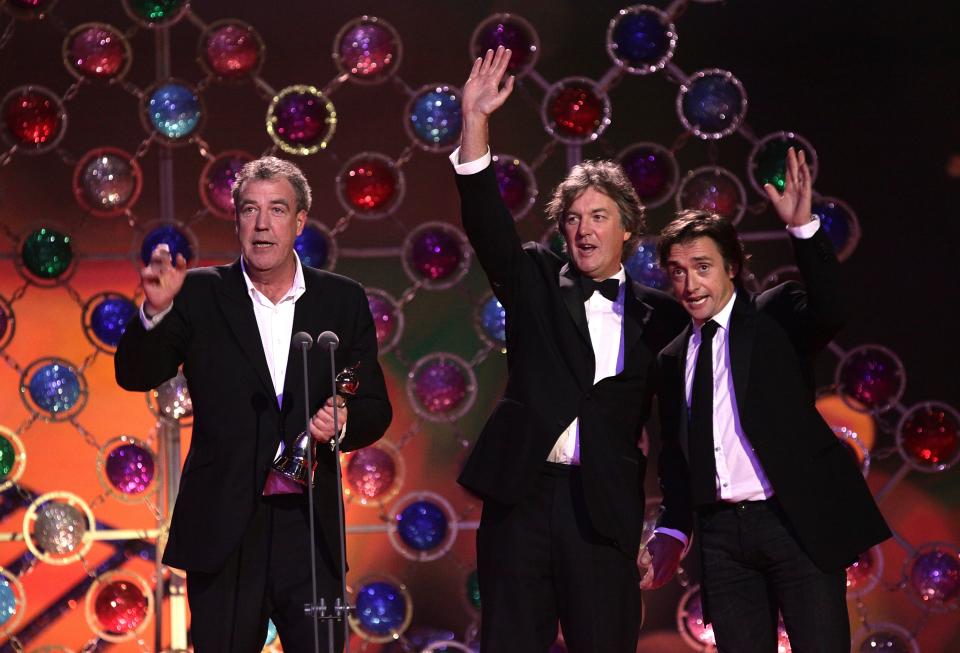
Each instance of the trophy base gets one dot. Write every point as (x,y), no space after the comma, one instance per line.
(280,484)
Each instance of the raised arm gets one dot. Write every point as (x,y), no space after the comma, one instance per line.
(482,96)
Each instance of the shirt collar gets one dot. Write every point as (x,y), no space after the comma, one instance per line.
(296,290)
(723,317)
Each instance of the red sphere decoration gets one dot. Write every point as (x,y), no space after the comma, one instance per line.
(33,117)
(575,112)
(928,436)
(96,51)
(370,184)
(231,50)
(120,607)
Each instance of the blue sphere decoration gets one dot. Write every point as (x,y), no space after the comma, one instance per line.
(8,602)
(644,266)
(109,319)
(422,525)
(174,110)
(435,118)
(174,238)
(493,321)
(312,247)
(641,40)
(55,388)
(381,608)
(839,224)
(713,104)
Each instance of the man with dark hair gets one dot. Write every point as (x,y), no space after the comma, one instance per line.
(781,508)
(558,465)
(247,556)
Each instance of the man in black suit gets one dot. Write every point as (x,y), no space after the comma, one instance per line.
(247,556)
(557,464)
(781,507)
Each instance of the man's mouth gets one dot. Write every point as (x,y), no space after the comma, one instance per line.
(586,248)
(696,301)
(262,244)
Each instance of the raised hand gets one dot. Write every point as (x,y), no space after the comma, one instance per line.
(482,95)
(794,204)
(162,279)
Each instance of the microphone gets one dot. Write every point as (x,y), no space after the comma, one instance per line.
(302,340)
(328,340)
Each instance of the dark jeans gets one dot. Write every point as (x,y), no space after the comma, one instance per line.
(540,562)
(753,567)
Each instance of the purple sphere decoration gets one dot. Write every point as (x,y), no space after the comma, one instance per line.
(840,224)
(935,577)
(422,525)
(312,247)
(386,320)
(216,183)
(872,377)
(440,386)
(644,266)
(436,254)
(512,32)
(712,104)
(653,172)
(368,50)
(109,319)
(129,469)
(301,120)
(370,473)
(174,238)
(518,188)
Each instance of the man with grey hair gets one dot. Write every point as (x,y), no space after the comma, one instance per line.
(558,464)
(246,551)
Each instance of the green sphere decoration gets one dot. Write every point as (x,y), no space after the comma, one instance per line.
(473,589)
(47,253)
(7,457)
(156,11)
(767,163)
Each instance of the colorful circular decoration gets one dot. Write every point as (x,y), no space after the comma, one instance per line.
(105,318)
(932,573)
(471,586)
(382,610)
(423,526)
(841,224)
(712,104)
(441,387)
(367,49)
(490,321)
(119,605)
(230,50)
(46,257)
(217,180)
(53,388)
(553,240)
(156,13)
(374,475)
(13,602)
(371,185)
(301,120)
(171,399)
(644,265)
(870,378)
(653,171)
(56,528)
(927,437)
(864,574)
(767,163)
(107,181)
(433,117)
(13,458)
(176,236)
(8,322)
(173,111)
(27,9)
(512,32)
(34,119)
(693,630)
(884,638)
(97,52)
(387,318)
(641,39)
(517,184)
(436,254)
(714,189)
(575,111)
(316,246)
(126,468)
(855,447)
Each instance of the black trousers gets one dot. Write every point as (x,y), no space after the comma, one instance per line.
(753,567)
(540,562)
(267,577)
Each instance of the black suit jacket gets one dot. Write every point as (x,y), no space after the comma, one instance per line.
(237,423)
(773,339)
(550,365)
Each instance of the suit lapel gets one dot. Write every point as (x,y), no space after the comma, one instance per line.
(302,312)
(636,314)
(236,305)
(681,388)
(743,326)
(570,291)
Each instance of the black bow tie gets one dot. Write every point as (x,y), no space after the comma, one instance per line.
(608,288)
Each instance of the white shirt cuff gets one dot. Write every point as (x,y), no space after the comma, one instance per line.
(150,322)
(805,231)
(470,167)
(675,534)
